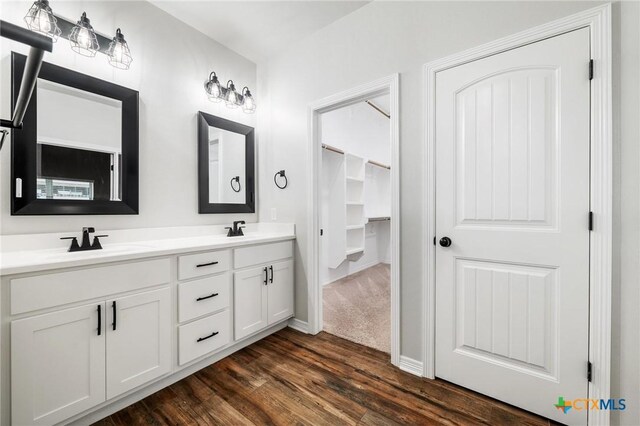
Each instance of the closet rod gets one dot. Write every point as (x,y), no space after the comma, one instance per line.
(375,163)
(377,108)
(379,219)
(331,148)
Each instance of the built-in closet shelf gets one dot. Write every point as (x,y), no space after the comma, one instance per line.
(354,179)
(355,203)
(354,250)
(354,227)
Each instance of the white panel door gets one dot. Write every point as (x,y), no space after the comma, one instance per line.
(250,301)
(280,291)
(57,365)
(512,194)
(138,339)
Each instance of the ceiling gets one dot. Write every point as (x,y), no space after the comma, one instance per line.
(258,29)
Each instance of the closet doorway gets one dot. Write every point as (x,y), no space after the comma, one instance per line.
(354,226)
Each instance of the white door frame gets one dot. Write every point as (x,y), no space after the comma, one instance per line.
(360,93)
(598,20)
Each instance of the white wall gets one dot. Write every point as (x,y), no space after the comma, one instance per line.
(388,37)
(170,63)
(359,129)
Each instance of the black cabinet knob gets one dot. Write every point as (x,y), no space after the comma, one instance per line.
(445,241)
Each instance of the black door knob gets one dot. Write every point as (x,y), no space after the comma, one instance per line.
(445,241)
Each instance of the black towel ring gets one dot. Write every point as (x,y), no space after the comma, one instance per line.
(275,179)
(237,179)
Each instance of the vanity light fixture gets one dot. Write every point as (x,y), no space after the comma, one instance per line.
(248,105)
(40,19)
(119,53)
(233,99)
(83,38)
(213,88)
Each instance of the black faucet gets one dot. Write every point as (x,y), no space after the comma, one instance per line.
(86,244)
(236,231)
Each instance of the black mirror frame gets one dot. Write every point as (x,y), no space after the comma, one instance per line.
(204,206)
(24,145)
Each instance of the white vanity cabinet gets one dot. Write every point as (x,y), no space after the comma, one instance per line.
(68,360)
(81,338)
(263,295)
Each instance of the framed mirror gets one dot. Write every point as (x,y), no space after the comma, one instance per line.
(225,166)
(77,152)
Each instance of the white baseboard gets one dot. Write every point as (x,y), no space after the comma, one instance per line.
(299,325)
(411,366)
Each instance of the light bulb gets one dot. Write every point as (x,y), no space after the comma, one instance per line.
(44,25)
(213,89)
(83,39)
(232,99)
(119,53)
(249,105)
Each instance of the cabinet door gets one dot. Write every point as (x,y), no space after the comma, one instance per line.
(57,364)
(138,339)
(250,301)
(280,291)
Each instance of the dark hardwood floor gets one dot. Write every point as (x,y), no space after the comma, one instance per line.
(293,378)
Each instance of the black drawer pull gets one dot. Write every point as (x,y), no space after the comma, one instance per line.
(206,264)
(266,275)
(207,337)
(271,269)
(99,319)
(206,297)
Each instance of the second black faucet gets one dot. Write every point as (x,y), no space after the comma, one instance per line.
(236,231)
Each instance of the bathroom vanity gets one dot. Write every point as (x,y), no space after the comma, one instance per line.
(85,334)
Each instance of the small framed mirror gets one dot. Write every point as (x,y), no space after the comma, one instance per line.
(226,168)
(77,152)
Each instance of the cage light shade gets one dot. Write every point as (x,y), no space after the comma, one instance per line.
(119,53)
(249,104)
(40,19)
(231,98)
(83,38)
(213,89)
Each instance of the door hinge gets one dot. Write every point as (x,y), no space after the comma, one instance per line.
(321,232)
(589,370)
(590,221)
(591,69)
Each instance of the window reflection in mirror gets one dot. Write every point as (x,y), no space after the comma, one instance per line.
(226,167)
(79,147)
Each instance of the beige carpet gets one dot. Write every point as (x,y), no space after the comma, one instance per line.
(358,307)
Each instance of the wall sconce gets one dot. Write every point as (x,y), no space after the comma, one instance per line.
(40,19)
(233,99)
(83,38)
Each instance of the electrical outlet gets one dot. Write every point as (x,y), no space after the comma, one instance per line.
(274,215)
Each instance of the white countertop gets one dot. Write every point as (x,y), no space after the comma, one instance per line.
(22,254)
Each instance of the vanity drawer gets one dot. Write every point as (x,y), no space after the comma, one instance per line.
(49,290)
(198,265)
(256,255)
(203,296)
(196,339)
